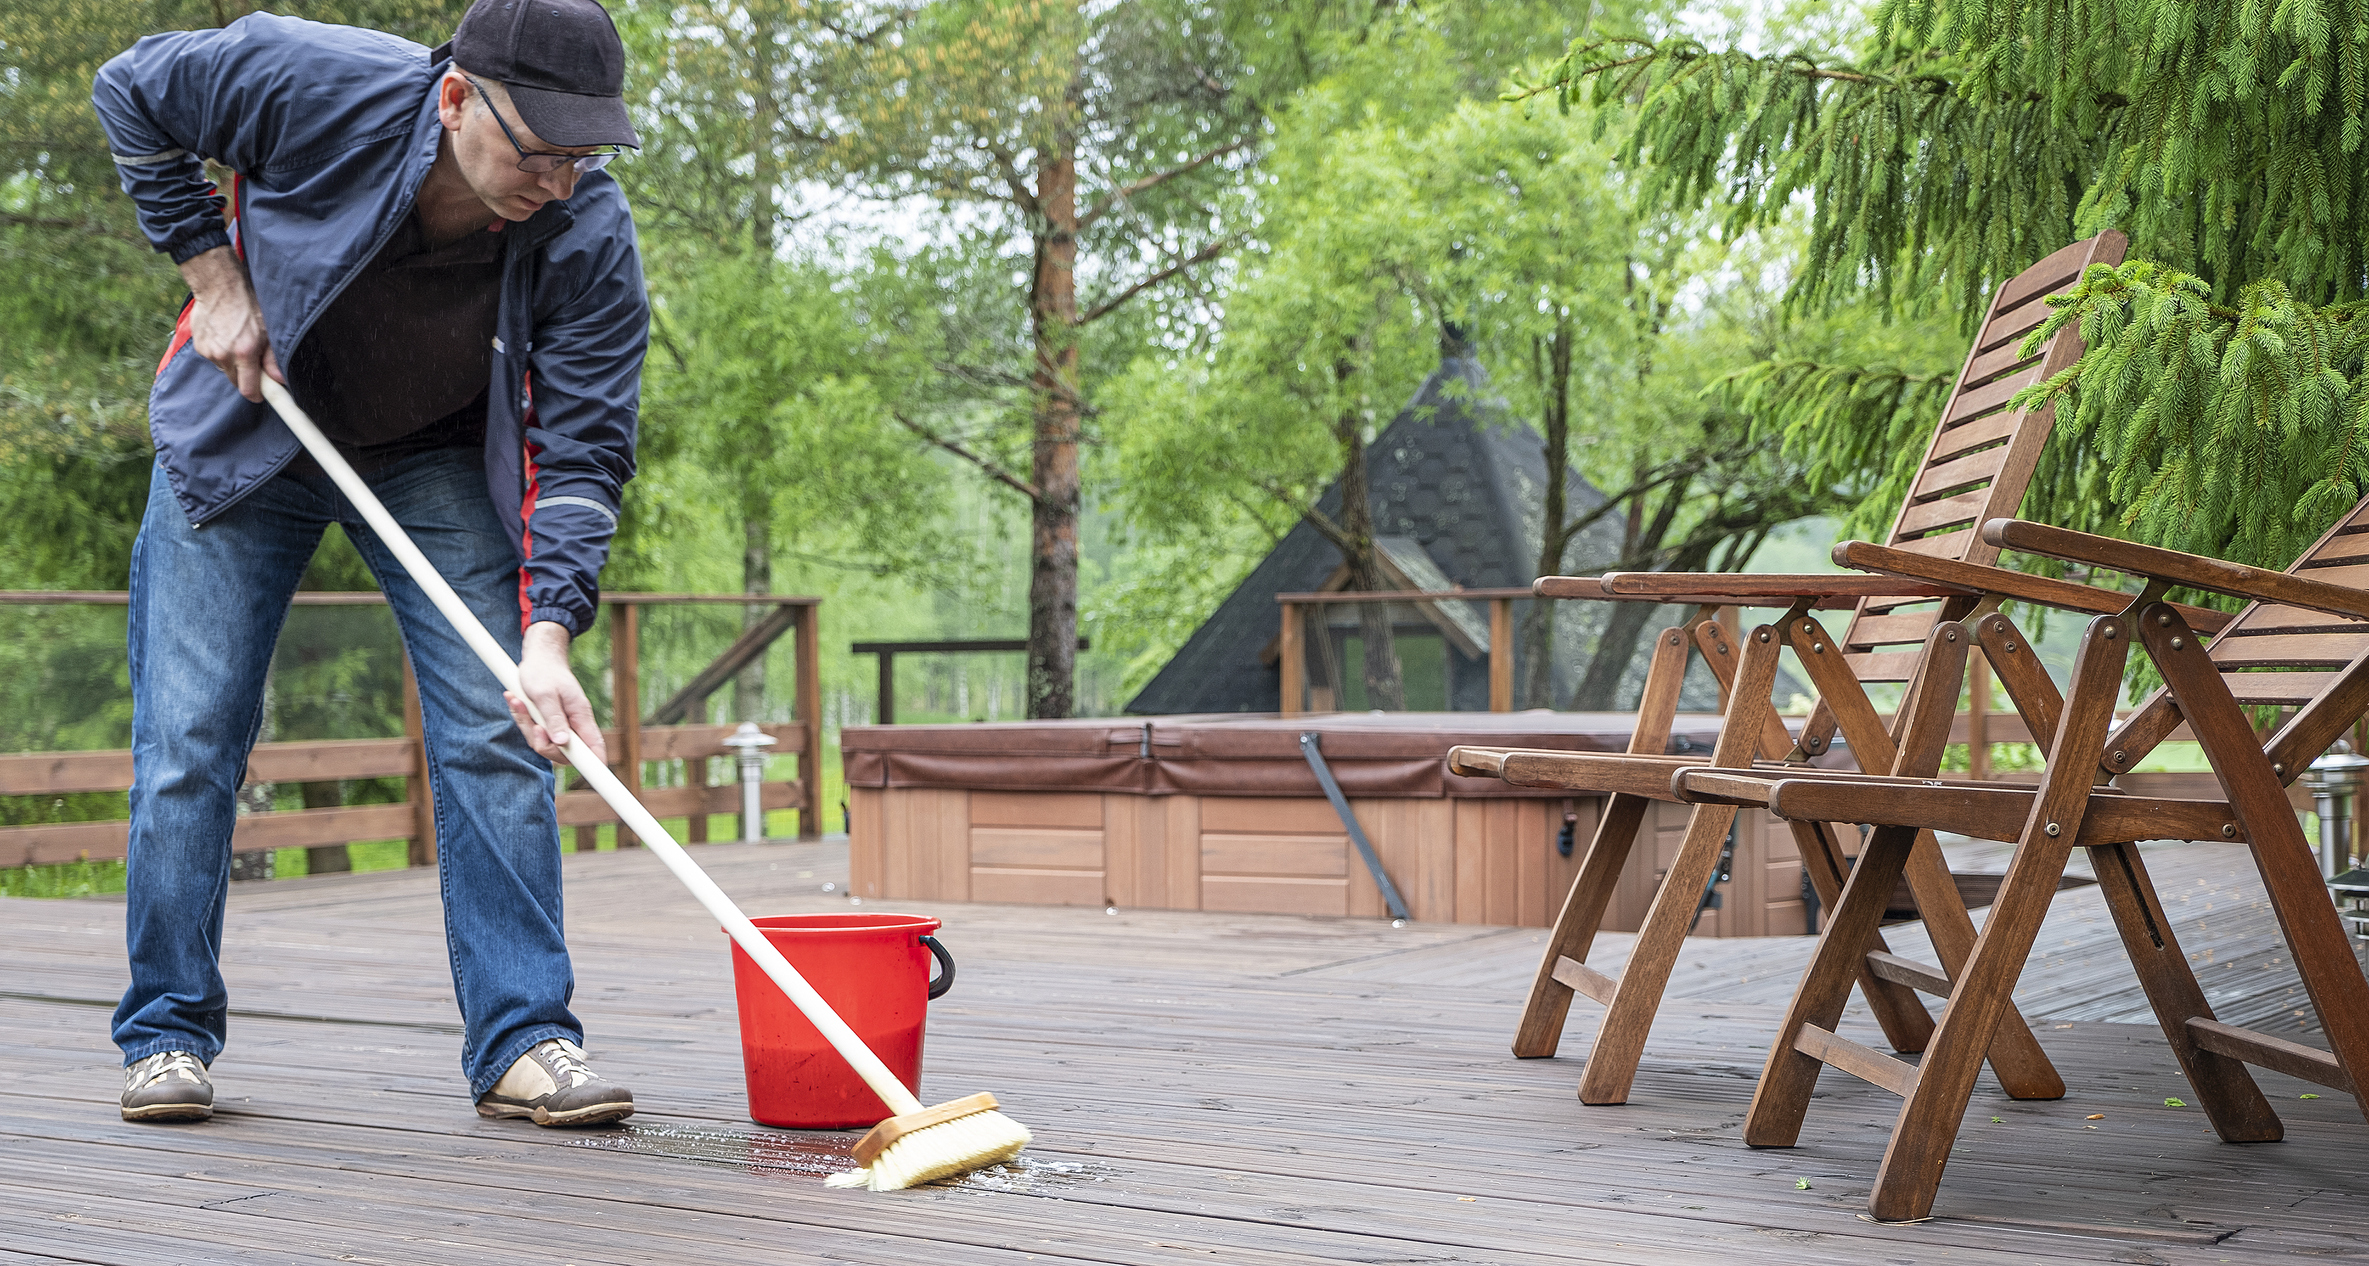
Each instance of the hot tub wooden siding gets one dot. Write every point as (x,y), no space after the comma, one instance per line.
(1462,860)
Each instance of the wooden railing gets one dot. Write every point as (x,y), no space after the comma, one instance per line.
(1291,649)
(630,744)
(884,705)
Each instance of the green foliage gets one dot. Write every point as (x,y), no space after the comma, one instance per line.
(1860,429)
(1918,191)
(2241,431)
(2217,409)
(772,375)
(67,879)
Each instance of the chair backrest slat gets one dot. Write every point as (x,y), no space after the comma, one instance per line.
(1982,453)
(2283,656)
(2282,690)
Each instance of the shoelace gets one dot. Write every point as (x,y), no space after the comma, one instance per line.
(157,1068)
(568,1068)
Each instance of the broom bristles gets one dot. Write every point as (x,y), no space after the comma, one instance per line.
(938,1151)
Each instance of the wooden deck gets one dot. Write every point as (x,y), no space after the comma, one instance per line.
(1204,1088)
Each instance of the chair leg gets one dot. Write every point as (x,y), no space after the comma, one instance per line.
(1540,1033)
(1930,1116)
(2023,1069)
(1907,1025)
(2298,896)
(2231,1099)
(1783,1097)
(1980,995)
(1620,1038)
(1924,719)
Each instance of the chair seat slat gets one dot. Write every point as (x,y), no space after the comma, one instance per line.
(2333,647)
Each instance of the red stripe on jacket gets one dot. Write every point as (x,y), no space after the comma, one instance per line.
(526,509)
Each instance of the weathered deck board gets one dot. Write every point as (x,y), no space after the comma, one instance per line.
(1204,1087)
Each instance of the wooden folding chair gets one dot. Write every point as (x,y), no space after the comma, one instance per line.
(1976,465)
(2303,644)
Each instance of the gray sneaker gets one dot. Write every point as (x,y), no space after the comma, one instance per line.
(168,1086)
(552,1084)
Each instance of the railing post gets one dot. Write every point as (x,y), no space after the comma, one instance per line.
(625,689)
(887,702)
(1733,621)
(1293,661)
(1978,718)
(588,834)
(809,652)
(422,851)
(1501,655)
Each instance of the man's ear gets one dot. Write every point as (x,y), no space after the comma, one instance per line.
(452,100)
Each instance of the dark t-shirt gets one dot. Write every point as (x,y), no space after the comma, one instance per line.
(399,361)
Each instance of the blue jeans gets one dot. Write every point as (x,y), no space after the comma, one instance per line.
(206,608)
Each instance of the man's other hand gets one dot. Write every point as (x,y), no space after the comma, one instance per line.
(544,676)
(226,323)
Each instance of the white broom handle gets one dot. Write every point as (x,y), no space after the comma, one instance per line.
(465,622)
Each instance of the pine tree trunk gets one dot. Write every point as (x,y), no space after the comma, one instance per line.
(1385,684)
(1551,359)
(756,556)
(1053,545)
(756,576)
(763,123)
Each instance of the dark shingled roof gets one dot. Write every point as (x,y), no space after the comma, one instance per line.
(1454,472)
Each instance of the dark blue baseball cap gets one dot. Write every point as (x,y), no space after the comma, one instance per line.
(561,60)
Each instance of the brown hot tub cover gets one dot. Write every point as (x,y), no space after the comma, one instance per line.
(1398,754)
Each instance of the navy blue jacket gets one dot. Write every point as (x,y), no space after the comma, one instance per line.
(332,129)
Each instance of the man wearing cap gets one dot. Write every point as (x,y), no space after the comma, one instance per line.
(422,246)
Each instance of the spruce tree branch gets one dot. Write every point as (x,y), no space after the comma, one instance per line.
(1202,256)
(993,469)
(1111,200)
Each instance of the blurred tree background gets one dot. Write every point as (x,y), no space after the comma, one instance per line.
(990,318)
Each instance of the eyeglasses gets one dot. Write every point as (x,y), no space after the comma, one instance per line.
(541,161)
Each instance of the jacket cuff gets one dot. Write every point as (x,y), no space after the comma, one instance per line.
(576,625)
(188,248)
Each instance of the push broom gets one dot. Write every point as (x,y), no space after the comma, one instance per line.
(915,1145)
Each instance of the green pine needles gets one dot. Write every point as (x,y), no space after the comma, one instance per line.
(2221,405)
(2236,431)
(1844,422)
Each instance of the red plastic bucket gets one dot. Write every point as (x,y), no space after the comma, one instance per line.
(874,970)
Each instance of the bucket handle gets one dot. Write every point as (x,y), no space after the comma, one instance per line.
(945,980)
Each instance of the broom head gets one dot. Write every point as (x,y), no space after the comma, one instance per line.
(940,1142)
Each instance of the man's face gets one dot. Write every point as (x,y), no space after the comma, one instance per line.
(487,158)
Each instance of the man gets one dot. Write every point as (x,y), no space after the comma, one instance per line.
(425,243)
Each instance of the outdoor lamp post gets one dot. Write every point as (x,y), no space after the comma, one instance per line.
(2333,780)
(750,743)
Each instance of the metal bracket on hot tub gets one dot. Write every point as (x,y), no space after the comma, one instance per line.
(1309,741)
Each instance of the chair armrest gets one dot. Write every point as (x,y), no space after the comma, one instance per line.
(2020,586)
(2195,571)
(1736,589)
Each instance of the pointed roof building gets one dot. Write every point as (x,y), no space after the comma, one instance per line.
(1457,488)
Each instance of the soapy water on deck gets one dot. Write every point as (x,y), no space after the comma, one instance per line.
(808,1155)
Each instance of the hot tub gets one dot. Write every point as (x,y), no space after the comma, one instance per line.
(1222,813)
